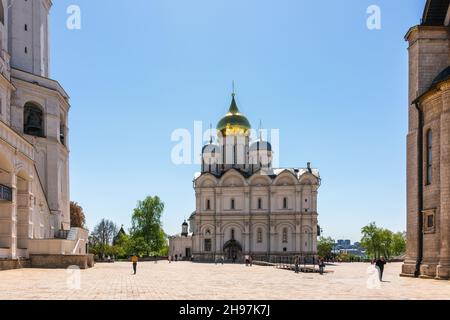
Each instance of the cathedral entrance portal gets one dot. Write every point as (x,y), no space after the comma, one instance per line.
(232,250)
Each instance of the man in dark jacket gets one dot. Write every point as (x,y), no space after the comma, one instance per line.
(380,265)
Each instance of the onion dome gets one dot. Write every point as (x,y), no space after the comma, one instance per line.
(261,145)
(234,122)
(211,148)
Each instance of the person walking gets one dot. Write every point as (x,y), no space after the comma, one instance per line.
(380,263)
(297,264)
(247,260)
(134,260)
(321,266)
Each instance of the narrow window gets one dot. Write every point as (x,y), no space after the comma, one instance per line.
(233,205)
(429,157)
(285,235)
(62,131)
(259,235)
(208,204)
(259,203)
(285,203)
(430,221)
(2,13)
(232,234)
(208,245)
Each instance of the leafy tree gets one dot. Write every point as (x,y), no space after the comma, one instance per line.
(146,224)
(398,243)
(386,242)
(379,241)
(77,217)
(371,239)
(325,247)
(137,246)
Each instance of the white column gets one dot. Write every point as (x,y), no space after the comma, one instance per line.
(13,247)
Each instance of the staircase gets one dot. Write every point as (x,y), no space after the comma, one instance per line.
(73,234)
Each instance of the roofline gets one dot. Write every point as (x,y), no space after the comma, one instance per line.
(425,11)
(433,89)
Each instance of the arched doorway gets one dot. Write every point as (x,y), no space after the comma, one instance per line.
(232,250)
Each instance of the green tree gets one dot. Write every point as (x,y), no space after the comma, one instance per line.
(325,247)
(146,224)
(386,242)
(382,242)
(137,246)
(398,243)
(371,240)
(121,245)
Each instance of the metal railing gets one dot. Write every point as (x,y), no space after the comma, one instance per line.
(5,193)
(62,234)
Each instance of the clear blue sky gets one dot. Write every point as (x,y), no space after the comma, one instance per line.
(137,70)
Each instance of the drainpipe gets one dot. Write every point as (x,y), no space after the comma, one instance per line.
(419,190)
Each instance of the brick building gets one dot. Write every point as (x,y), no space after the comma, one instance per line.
(428,145)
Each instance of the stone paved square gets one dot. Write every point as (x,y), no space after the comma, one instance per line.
(188,281)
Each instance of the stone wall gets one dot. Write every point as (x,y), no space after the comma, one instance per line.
(61,261)
(13,264)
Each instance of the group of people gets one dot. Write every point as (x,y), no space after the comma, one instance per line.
(321,263)
(175,258)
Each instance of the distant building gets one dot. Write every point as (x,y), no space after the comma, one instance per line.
(346,247)
(244,205)
(181,244)
(344,244)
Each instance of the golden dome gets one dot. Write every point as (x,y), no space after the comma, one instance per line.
(234,122)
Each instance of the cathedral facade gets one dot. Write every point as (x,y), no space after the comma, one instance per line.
(244,205)
(34,140)
(428,184)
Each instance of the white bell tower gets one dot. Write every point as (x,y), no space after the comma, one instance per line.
(28,35)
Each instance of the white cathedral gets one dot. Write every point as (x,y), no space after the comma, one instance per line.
(244,206)
(34,152)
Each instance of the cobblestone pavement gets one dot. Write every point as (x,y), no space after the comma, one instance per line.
(183,280)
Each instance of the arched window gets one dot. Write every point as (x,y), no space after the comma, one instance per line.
(33,120)
(285,235)
(259,235)
(285,203)
(232,204)
(208,204)
(62,130)
(2,13)
(259,203)
(429,157)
